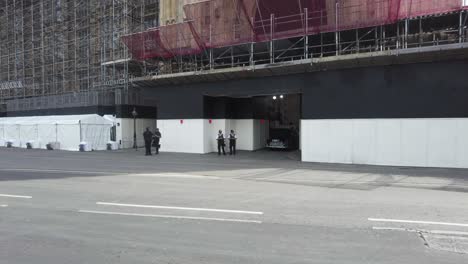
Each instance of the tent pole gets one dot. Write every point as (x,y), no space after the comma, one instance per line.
(81,136)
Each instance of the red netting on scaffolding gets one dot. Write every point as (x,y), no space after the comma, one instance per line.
(221,23)
(145,45)
(413,8)
(181,39)
(164,42)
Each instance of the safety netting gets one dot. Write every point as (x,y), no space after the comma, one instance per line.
(222,23)
(180,39)
(414,8)
(147,44)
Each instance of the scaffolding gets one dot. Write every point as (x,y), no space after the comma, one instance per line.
(59,52)
(218,34)
(62,53)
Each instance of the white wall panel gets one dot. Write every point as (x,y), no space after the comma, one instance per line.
(442,141)
(398,142)
(211,131)
(244,129)
(364,140)
(187,137)
(124,133)
(252,134)
(462,144)
(341,145)
(388,142)
(413,142)
(315,140)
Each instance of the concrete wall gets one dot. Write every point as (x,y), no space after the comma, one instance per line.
(400,142)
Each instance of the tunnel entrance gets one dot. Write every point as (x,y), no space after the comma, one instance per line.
(282,112)
(262,122)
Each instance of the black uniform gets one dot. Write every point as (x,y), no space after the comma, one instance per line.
(148,137)
(232,143)
(156,138)
(221,143)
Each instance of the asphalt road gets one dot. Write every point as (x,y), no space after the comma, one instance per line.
(123,207)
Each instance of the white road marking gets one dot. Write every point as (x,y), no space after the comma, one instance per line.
(3,205)
(172,216)
(60,171)
(416,222)
(434,232)
(155,175)
(181,208)
(175,175)
(15,196)
(392,228)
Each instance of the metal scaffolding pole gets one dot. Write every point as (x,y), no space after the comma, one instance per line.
(272,43)
(306,34)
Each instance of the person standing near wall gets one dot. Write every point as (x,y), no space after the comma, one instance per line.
(156,139)
(148,136)
(232,143)
(221,143)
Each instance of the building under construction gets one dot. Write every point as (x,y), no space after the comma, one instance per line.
(357,81)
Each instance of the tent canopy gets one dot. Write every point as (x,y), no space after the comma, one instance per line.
(68,130)
(92,119)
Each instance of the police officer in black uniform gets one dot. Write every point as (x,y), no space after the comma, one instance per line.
(156,138)
(148,136)
(221,142)
(232,143)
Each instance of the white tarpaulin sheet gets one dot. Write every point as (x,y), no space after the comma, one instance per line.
(68,130)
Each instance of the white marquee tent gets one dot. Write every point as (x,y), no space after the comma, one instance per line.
(67,130)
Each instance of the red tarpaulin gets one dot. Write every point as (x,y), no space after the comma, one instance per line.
(145,45)
(220,23)
(413,8)
(180,39)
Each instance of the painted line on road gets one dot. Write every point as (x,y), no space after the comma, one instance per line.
(181,208)
(3,205)
(155,175)
(433,232)
(416,222)
(174,175)
(15,196)
(172,216)
(60,171)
